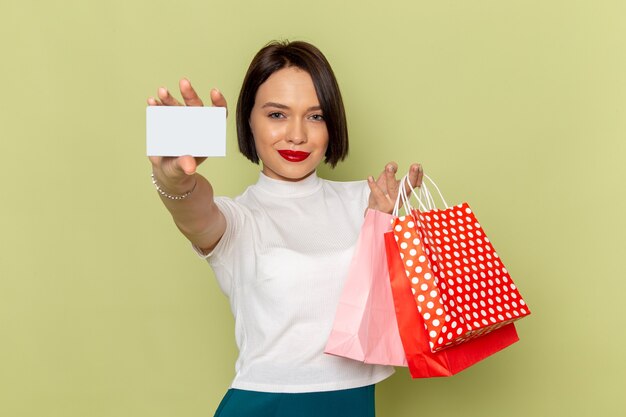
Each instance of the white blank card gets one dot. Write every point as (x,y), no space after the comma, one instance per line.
(181,130)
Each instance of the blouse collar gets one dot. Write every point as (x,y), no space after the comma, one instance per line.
(282,188)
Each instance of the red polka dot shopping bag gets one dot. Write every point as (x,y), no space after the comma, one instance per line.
(461,293)
(422,362)
(461,287)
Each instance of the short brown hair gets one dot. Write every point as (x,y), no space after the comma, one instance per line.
(277,55)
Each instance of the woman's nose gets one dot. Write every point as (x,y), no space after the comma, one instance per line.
(296,132)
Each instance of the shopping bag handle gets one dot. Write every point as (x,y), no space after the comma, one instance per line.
(423,196)
(424,193)
(403,196)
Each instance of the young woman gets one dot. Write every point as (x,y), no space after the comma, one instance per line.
(281,250)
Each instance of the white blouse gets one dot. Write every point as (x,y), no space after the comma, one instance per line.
(282,262)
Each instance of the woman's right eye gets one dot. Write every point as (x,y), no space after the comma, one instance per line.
(275,115)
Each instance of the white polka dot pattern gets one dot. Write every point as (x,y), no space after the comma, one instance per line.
(460,285)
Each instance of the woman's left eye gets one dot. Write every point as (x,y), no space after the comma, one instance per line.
(317,117)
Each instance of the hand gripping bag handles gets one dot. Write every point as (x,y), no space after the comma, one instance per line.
(365,327)
(420,304)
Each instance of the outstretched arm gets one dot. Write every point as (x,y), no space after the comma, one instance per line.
(196,214)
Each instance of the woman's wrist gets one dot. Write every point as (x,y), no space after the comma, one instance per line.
(180,191)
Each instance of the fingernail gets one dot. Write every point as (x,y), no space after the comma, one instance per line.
(370,179)
(163,90)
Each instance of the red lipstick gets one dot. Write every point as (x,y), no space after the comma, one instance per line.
(294,156)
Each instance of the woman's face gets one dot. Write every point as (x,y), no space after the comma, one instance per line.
(289,130)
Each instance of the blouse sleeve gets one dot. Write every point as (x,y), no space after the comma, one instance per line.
(222,257)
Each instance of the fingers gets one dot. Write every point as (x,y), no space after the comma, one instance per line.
(384,190)
(186,164)
(155,160)
(420,176)
(166,98)
(189,94)
(416,173)
(190,97)
(382,194)
(174,168)
(381,200)
(217,98)
(391,184)
(381,182)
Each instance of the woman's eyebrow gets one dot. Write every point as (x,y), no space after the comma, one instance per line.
(285,107)
(272,104)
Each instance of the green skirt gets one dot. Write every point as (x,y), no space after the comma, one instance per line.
(355,402)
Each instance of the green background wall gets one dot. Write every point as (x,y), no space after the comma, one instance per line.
(518,107)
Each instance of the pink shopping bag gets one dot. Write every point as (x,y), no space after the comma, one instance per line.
(365,326)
